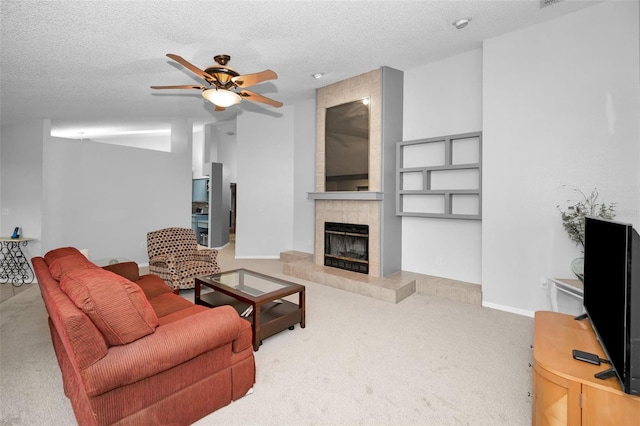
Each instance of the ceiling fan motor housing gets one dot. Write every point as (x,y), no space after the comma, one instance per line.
(223,73)
(222,59)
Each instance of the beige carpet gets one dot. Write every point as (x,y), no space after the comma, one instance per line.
(424,361)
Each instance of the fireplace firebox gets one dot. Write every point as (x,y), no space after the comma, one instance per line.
(346,246)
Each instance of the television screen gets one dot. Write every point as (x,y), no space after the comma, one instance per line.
(612,295)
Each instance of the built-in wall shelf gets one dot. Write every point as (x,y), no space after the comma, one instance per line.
(346,195)
(440,177)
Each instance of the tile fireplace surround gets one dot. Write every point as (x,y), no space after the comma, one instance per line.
(375,208)
(361,208)
(349,211)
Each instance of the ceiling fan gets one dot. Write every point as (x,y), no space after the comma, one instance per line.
(224,83)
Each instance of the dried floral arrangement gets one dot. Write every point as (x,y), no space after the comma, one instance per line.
(574,214)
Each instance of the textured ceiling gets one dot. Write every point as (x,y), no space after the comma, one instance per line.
(90,63)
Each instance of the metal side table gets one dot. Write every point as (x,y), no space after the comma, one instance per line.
(14,266)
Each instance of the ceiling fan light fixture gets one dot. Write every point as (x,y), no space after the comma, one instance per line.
(222,98)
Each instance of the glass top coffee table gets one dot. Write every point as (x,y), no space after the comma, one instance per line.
(257,297)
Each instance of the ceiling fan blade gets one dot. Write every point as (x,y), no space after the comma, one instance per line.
(179,87)
(251,79)
(259,98)
(197,71)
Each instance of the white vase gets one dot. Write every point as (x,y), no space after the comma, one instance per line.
(577,266)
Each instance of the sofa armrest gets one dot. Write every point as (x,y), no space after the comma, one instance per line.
(170,345)
(129,270)
(245,338)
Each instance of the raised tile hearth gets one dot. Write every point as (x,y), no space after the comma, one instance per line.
(393,289)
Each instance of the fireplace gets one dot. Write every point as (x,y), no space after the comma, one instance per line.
(346,246)
(381,251)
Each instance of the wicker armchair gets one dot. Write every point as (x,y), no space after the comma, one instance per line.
(174,256)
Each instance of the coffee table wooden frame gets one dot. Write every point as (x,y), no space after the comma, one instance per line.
(274,316)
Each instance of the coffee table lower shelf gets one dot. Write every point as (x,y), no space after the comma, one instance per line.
(274,316)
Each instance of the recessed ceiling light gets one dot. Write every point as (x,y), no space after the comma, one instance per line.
(317,75)
(461,23)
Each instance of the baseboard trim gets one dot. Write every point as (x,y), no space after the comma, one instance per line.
(510,309)
(257,257)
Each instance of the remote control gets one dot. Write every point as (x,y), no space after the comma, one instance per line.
(586,357)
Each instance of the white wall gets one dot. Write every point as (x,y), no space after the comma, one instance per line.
(304,152)
(21,180)
(560,107)
(160,141)
(105,198)
(197,154)
(265,150)
(227,148)
(220,147)
(97,196)
(440,99)
(272,159)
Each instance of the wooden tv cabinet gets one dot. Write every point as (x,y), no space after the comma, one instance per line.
(565,392)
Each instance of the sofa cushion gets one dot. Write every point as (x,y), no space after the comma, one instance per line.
(153,286)
(181,314)
(66,259)
(168,303)
(116,305)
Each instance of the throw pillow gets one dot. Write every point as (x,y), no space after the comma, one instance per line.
(116,305)
(54,254)
(66,259)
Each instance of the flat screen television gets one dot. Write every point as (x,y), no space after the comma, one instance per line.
(612,296)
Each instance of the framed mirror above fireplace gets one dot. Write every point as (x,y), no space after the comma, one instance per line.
(347,146)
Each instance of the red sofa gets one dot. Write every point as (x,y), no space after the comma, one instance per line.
(132,352)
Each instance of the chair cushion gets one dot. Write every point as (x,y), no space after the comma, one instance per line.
(116,305)
(195,268)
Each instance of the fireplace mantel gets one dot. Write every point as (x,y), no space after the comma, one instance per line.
(346,195)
